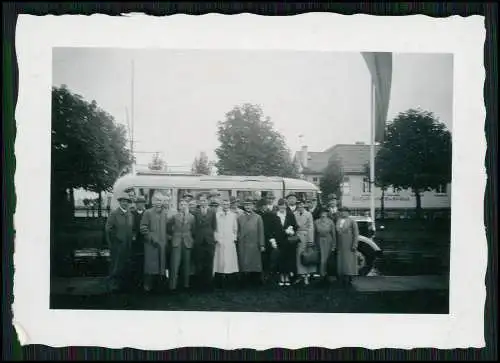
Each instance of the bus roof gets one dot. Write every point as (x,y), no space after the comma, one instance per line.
(186,181)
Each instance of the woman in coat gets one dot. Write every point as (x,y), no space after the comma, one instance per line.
(325,239)
(285,244)
(305,232)
(347,244)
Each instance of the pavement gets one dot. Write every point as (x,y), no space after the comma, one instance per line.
(86,286)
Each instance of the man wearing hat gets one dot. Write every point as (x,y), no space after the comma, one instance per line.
(188,197)
(333,213)
(204,244)
(251,243)
(234,206)
(272,226)
(291,200)
(119,235)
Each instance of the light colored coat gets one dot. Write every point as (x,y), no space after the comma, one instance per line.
(226,257)
(305,232)
(154,228)
(250,242)
(347,238)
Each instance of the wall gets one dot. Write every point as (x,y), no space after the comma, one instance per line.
(356,198)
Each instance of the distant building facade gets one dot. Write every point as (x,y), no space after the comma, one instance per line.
(356,189)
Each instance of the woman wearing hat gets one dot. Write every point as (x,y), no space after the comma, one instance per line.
(305,232)
(119,235)
(250,243)
(234,206)
(285,244)
(347,244)
(326,240)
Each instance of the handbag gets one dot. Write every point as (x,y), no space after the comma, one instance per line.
(331,264)
(293,239)
(310,256)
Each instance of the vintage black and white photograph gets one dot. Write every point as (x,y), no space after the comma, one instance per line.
(252,181)
(248,184)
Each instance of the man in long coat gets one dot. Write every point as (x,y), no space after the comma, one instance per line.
(182,225)
(154,226)
(137,264)
(226,257)
(204,245)
(251,243)
(119,235)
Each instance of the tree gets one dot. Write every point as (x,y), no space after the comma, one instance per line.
(201,165)
(88,149)
(157,163)
(416,154)
(250,146)
(332,178)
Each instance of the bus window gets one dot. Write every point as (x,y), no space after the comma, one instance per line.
(244,194)
(149,193)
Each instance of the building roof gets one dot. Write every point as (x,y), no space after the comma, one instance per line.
(353,158)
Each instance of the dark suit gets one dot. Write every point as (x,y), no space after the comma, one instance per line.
(181,226)
(316,212)
(204,244)
(272,226)
(137,263)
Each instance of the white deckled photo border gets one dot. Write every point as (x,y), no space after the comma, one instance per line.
(35,323)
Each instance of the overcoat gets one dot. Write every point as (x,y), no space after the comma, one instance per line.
(226,257)
(154,226)
(326,240)
(305,232)
(347,238)
(250,242)
(119,235)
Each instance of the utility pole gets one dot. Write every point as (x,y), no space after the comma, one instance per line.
(132,119)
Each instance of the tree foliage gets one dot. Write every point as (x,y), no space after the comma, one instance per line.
(416,153)
(88,147)
(201,165)
(332,178)
(157,163)
(249,145)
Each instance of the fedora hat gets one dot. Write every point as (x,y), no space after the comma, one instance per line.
(249,201)
(140,199)
(124,196)
(291,194)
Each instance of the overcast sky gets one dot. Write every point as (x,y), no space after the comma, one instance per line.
(180,95)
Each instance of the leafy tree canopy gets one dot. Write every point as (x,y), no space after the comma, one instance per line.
(416,153)
(88,147)
(249,145)
(157,163)
(201,165)
(331,181)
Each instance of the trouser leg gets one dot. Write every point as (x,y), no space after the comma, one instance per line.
(186,266)
(175,261)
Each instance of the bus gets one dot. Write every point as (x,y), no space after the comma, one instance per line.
(175,185)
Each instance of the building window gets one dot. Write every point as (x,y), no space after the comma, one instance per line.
(346,186)
(366,185)
(441,189)
(315,179)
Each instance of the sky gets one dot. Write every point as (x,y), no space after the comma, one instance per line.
(180,95)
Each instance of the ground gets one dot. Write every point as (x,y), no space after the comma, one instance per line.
(411,277)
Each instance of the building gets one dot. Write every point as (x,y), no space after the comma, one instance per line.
(356,189)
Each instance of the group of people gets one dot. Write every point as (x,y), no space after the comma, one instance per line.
(208,240)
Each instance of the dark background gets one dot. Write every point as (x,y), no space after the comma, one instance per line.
(11,349)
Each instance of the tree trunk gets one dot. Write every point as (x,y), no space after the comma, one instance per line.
(72,203)
(382,205)
(418,209)
(99,204)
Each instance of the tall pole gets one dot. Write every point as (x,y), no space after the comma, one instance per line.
(132,119)
(372,152)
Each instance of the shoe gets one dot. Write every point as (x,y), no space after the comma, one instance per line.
(281,283)
(306,280)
